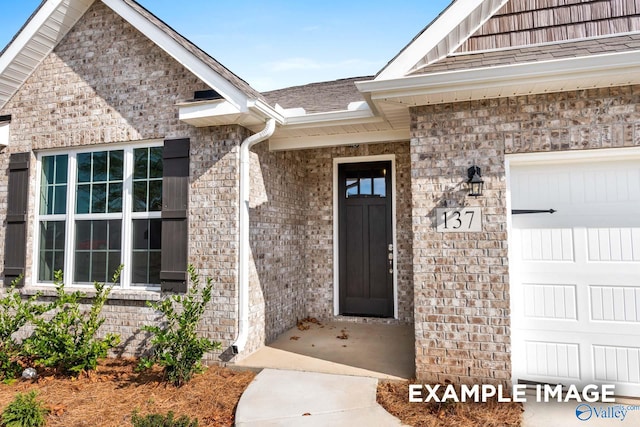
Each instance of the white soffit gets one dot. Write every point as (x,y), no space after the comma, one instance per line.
(35,41)
(443,36)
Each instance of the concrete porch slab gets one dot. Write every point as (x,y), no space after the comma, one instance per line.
(369,349)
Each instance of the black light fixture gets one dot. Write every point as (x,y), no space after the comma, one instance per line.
(475,181)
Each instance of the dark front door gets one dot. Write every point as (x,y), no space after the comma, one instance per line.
(365,234)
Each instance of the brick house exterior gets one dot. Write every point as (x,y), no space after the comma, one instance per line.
(527,77)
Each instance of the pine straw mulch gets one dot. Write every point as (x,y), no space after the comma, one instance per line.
(108,396)
(394,397)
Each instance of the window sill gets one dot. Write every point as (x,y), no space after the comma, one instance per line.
(115,294)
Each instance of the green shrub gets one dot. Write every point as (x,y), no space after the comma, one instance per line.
(159,420)
(176,345)
(67,341)
(24,411)
(9,366)
(15,312)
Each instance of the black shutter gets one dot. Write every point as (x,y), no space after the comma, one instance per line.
(15,245)
(175,232)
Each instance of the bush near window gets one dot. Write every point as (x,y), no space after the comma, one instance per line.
(67,341)
(176,345)
(24,411)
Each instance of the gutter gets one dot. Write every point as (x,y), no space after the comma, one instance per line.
(244,249)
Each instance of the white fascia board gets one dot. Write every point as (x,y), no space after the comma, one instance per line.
(220,111)
(301,143)
(438,30)
(199,110)
(221,85)
(567,69)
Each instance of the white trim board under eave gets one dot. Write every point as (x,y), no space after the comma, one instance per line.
(336,239)
(231,93)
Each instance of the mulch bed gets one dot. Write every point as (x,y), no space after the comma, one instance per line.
(108,396)
(394,397)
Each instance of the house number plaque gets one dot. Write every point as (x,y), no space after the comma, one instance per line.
(458,220)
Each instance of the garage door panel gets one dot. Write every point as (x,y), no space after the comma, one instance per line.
(575,274)
(546,244)
(616,364)
(563,360)
(615,303)
(553,360)
(614,244)
(549,301)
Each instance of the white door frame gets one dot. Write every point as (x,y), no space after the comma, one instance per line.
(336,247)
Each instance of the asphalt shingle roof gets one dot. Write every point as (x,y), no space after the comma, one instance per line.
(318,97)
(569,49)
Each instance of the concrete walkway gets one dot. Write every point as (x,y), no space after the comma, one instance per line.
(294,398)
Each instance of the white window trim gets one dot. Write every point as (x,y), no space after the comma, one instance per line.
(126,245)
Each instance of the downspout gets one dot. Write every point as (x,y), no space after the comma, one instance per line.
(244,248)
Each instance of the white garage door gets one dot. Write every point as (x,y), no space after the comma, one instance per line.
(575,274)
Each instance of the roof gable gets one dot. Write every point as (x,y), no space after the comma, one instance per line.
(468,26)
(55,18)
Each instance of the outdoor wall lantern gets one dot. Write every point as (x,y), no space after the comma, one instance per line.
(475,181)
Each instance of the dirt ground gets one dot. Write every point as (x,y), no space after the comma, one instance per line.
(108,396)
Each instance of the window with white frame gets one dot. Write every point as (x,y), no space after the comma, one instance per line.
(99,209)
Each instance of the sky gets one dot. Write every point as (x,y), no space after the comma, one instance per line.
(282,43)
